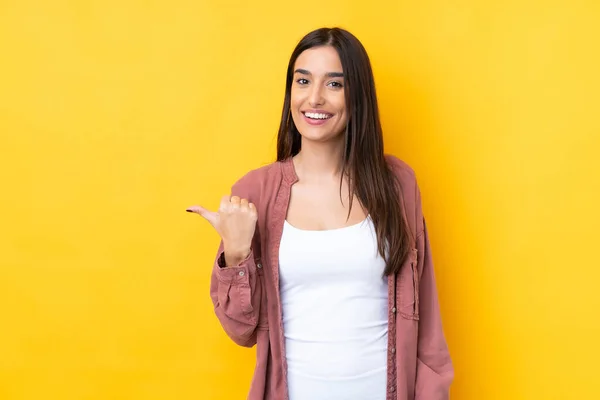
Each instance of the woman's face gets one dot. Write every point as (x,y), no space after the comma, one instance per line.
(318,104)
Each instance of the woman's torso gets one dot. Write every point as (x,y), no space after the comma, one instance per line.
(335,312)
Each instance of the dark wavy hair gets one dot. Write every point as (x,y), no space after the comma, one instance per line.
(370,177)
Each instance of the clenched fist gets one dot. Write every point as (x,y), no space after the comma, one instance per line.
(235,222)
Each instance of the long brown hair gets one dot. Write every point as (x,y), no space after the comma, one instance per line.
(370,177)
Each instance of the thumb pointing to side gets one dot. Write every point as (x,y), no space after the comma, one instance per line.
(210,216)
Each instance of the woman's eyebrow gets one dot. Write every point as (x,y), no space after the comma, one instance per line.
(329,74)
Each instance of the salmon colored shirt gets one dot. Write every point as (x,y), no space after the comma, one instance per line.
(247,300)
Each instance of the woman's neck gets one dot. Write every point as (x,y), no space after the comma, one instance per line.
(319,161)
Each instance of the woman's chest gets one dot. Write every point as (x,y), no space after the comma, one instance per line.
(322,207)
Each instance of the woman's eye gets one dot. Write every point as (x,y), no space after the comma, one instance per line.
(336,84)
(302,81)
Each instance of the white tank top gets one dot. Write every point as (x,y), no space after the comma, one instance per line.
(335,313)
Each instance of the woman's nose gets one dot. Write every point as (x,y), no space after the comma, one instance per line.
(316,96)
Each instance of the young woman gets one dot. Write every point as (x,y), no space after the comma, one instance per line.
(324,262)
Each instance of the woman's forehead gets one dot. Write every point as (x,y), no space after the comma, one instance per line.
(319,60)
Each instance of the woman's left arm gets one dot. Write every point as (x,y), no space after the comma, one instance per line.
(434,366)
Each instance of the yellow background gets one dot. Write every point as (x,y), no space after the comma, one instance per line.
(116,115)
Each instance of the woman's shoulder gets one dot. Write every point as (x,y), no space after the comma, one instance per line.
(403,171)
(257,180)
(411,194)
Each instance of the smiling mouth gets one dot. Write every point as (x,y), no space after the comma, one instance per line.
(317,116)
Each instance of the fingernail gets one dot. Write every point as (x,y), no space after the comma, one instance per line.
(188,210)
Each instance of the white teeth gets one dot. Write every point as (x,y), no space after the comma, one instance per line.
(317,115)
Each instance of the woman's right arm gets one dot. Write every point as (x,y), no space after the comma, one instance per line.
(235,288)
(236,294)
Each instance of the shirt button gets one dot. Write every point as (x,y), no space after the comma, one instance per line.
(242,273)
(392,388)
(393,349)
(394,310)
(259,265)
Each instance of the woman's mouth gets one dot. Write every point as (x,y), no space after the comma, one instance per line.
(316,118)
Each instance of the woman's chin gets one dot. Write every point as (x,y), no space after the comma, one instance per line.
(319,135)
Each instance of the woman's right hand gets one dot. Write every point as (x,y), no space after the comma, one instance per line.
(235,222)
